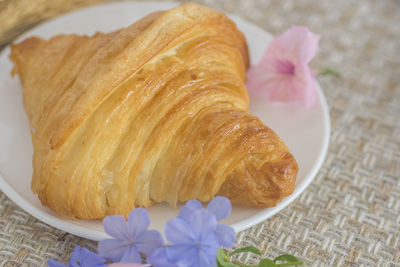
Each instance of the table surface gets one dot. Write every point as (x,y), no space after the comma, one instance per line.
(350,214)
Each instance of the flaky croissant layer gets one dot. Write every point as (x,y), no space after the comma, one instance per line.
(154,112)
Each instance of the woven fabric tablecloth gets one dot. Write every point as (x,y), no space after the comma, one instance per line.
(350,214)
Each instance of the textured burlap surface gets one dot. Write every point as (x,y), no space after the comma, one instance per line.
(350,214)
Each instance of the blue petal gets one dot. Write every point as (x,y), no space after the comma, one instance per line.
(205,260)
(73,261)
(220,206)
(210,246)
(190,207)
(203,223)
(159,258)
(138,222)
(131,255)
(149,241)
(226,235)
(112,249)
(116,226)
(90,259)
(185,254)
(53,263)
(179,231)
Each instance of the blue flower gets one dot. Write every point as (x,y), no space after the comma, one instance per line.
(219,206)
(159,259)
(195,235)
(193,239)
(80,258)
(130,239)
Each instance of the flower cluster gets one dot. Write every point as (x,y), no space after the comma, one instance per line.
(194,240)
(194,237)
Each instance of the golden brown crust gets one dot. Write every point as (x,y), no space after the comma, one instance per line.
(154,112)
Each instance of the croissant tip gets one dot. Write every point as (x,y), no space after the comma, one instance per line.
(25,46)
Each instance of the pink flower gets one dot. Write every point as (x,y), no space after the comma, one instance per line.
(283,73)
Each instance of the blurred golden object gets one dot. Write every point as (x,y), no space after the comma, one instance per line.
(18,16)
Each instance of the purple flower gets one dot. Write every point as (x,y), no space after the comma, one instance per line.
(195,235)
(159,259)
(80,258)
(219,206)
(130,239)
(193,239)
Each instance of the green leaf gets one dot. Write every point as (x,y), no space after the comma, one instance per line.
(247,249)
(266,263)
(290,260)
(329,71)
(223,259)
(229,264)
(285,257)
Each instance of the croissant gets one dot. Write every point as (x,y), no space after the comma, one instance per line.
(155,112)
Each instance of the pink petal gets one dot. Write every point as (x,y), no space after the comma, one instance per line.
(297,44)
(283,73)
(282,89)
(258,80)
(300,87)
(305,86)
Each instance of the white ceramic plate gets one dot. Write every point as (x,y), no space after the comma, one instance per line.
(305,131)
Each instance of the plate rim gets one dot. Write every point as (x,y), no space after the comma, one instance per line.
(96,235)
